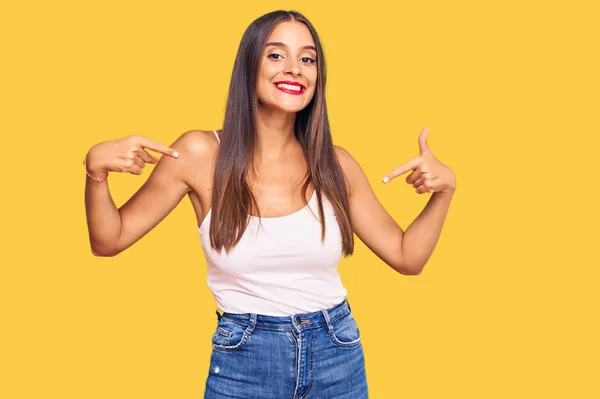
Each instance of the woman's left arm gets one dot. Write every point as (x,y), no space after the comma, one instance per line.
(406,252)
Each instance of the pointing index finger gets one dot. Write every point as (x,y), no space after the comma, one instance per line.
(410,165)
(154,146)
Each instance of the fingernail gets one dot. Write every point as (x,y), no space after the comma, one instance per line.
(386,179)
(176,154)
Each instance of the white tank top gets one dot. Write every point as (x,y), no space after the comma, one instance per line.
(280,268)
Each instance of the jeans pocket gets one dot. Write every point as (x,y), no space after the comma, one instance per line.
(229,335)
(345,332)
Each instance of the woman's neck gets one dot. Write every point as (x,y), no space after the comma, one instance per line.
(276,137)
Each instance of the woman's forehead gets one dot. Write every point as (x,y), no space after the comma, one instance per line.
(292,33)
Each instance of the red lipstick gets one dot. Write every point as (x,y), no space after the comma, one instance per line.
(288,91)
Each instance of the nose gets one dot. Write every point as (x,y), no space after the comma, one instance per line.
(292,67)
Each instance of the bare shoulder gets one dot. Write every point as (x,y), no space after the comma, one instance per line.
(353,172)
(196,144)
(340,152)
(344,157)
(197,153)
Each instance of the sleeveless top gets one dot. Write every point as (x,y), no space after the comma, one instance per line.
(279,268)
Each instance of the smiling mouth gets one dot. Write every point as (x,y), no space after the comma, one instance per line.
(290,88)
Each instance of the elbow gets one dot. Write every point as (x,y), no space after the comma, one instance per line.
(407,269)
(410,271)
(414,272)
(104,252)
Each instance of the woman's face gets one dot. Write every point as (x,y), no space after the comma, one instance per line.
(288,68)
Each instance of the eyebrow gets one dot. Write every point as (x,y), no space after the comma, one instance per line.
(280,44)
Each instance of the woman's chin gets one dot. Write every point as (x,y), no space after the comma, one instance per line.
(283,108)
(292,110)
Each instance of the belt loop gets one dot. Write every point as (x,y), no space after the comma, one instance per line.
(218,315)
(348,303)
(327,320)
(252,323)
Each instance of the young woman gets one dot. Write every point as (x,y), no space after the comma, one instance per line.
(277,205)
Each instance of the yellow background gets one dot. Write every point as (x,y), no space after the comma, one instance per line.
(507,306)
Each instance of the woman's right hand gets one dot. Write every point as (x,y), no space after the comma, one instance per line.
(127,154)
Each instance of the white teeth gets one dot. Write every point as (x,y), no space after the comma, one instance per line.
(289,87)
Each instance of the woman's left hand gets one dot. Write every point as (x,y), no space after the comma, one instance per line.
(429,174)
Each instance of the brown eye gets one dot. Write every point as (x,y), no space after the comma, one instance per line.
(274,55)
(308,60)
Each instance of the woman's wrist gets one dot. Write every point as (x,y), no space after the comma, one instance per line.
(92,171)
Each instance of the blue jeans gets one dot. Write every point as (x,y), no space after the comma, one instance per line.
(315,355)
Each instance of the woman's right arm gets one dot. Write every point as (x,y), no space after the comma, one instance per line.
(112,229)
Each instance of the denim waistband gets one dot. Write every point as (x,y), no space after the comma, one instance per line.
(302,321)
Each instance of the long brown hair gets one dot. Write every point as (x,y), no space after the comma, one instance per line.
(232,197)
